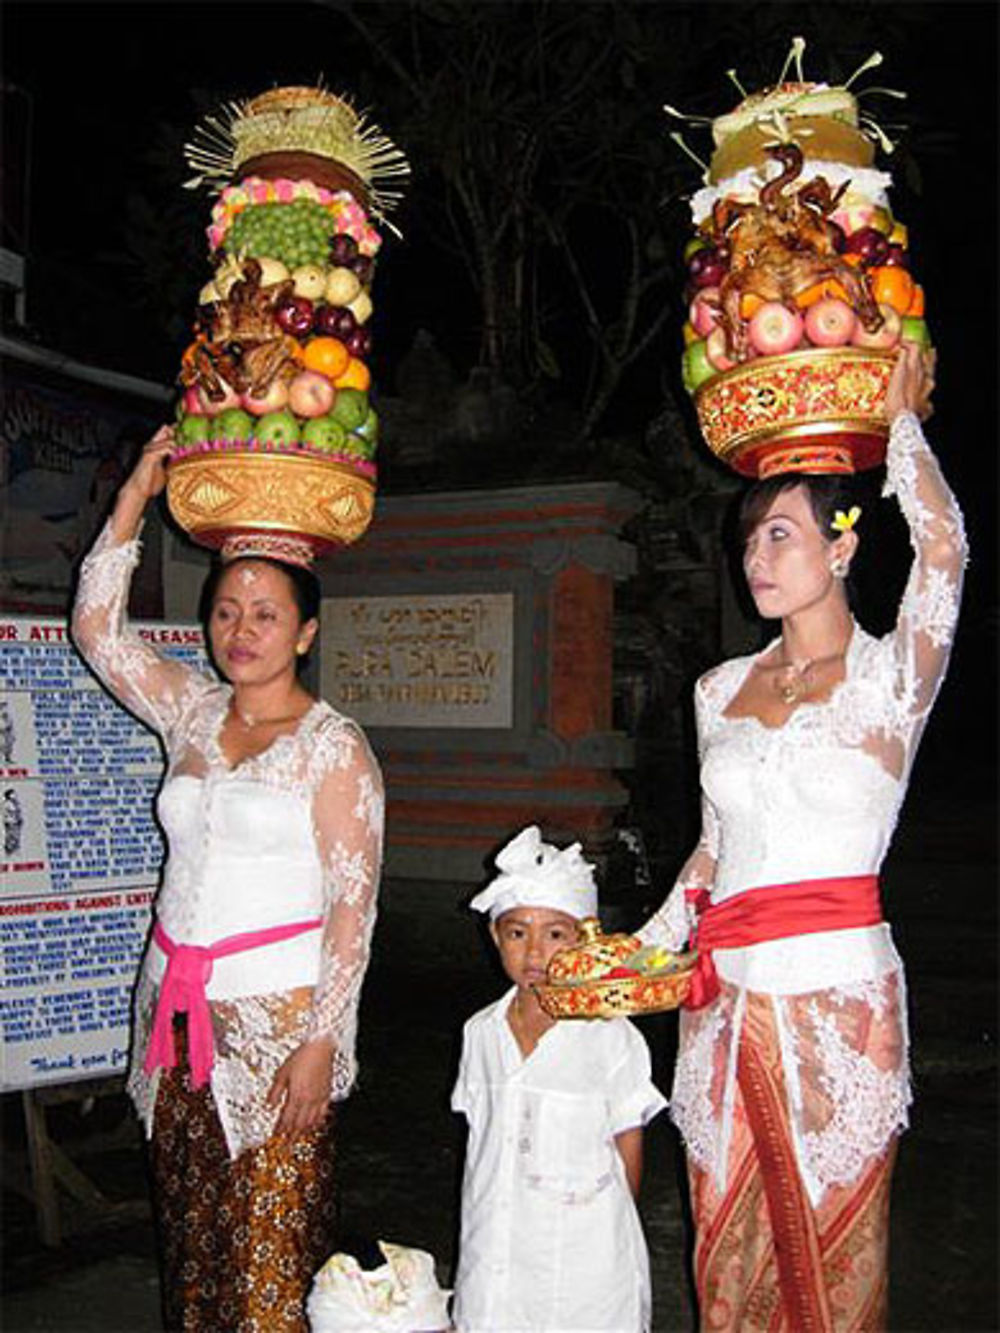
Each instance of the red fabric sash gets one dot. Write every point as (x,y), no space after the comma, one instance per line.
(189,968)
(774,912)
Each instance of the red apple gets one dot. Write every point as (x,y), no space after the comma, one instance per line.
(192,402)
(295,316)
(883,338)
(775,329)
(359,343)
(364,267)
(213,406)
(310,394)
(704,311)
(710,274)
(343,248)
(869,243)
(716,350)
(830,322)
(335,321)
(273,399)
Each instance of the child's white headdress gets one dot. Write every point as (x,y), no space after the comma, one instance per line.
(535,874)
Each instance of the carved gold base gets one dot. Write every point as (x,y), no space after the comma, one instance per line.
(303,504)
(816,410)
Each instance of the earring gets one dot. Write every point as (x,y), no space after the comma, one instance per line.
(839,568)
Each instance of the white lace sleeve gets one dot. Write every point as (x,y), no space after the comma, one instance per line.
(156,689)
(671,924)
(928,612)
(348,817)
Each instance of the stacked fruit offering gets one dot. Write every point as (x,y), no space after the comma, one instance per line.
(821,313)
(795,244)
(279,361)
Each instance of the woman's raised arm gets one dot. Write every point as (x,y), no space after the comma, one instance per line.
(155,689)
(928,611)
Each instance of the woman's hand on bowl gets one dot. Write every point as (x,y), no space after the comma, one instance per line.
(911,383)
(149,476)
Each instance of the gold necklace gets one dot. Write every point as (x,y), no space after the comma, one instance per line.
(792,680)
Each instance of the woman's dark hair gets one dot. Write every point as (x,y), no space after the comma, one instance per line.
(826,494)
(304,584)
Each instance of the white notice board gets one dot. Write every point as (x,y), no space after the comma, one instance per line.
(80,854)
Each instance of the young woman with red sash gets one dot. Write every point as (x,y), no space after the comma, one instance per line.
(792,1079)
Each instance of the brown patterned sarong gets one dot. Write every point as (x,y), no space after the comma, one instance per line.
(240,1240)
(766,1260)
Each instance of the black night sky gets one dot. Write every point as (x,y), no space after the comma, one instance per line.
(113,89)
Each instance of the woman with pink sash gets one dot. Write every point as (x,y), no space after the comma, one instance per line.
(246,1004)
(792,1078)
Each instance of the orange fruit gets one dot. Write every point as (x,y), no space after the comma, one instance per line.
(893,286)
(327,355)
(355,375)
(750,303)
(809,295)
(916,306)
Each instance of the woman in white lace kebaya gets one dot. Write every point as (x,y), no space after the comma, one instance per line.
(792,1077)
(246,1005)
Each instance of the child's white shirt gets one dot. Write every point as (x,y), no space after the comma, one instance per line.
(551,1238)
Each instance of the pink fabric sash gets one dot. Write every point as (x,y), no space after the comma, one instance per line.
(773,912)
(189,967)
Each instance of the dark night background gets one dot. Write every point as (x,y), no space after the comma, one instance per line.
(115,253)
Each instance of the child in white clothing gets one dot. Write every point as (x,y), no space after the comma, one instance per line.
(550,1238)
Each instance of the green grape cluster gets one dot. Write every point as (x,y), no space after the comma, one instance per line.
(296,233)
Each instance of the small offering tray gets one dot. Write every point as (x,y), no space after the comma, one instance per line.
(594,978)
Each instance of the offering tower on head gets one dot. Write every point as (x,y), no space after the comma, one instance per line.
(276,433)
(799,282)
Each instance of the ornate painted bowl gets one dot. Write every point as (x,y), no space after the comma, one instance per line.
(295,506)
(815,410)
(593,979)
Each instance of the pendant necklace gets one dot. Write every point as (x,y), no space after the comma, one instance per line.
(792,681)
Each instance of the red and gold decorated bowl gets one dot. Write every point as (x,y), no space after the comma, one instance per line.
(593,979)
(294,506)
(814,410)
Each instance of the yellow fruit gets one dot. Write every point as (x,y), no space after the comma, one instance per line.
(342,286)
(355,375)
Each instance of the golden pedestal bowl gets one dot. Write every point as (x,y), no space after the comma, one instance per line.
(295,506)
(815,410)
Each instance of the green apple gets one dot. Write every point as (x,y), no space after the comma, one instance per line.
(696,367)
(192,430)
(368,430)
(350,408)
(233,424)
(359,446)
(914,330)
(278,428)
(325,434)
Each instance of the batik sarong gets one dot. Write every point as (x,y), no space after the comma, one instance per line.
(240,1240)
(767,1259)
